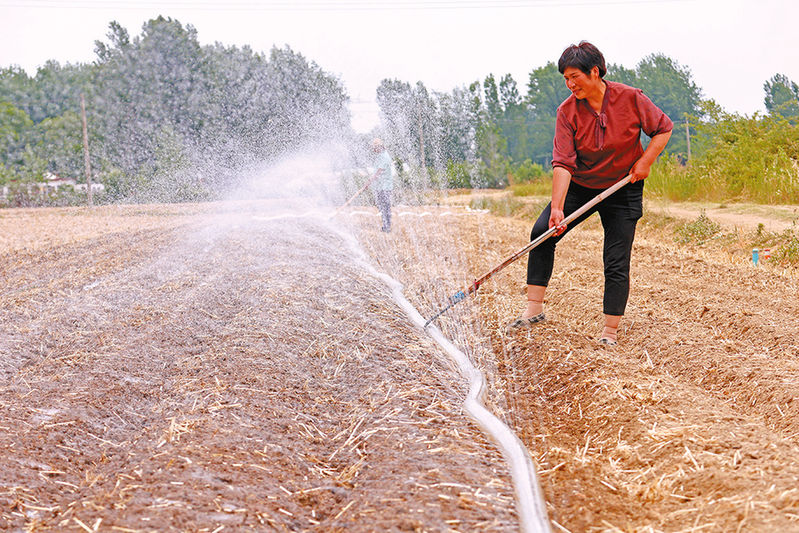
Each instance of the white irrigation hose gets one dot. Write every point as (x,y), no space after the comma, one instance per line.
(531,505)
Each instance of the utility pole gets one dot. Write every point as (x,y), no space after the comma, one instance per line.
(421,146)
(688,137)
(86,148)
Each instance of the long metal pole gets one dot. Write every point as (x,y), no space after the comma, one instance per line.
(471,289)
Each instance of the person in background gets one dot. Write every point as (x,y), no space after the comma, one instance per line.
(597,144)
(383,182)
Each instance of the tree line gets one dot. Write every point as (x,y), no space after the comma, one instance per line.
(169,119)
(490,134)
(172,120)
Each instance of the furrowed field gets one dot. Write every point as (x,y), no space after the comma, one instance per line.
(231,367)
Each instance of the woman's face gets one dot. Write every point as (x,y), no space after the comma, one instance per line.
(582,85)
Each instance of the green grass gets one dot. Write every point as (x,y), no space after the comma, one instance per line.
(737,159)
(541,187)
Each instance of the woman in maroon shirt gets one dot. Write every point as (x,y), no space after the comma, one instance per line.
(597,143)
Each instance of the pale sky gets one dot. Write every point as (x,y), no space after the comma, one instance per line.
(732,47)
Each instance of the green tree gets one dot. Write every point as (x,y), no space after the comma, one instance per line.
(60,144)
(395,99)
(225,107)
(56,90)
(15,87)
(423,128)
(546,90)
(458,117)
(492,145)
(161,93)
(493,164)
(457,123)
(670,87)
(145,84)
(782,96)
(491,104)
(236,104)
(514,119)
(621,74)
(15,130)
(413,128)
(303,103)
(739,159)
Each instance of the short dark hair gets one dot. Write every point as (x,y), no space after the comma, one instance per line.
(584,56)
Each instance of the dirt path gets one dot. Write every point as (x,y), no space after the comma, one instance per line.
(774,218)
(749,217)
(238,370)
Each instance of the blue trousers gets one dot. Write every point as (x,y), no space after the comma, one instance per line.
(619,214)
(383,200)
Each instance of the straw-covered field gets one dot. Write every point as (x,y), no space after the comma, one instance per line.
(221,368)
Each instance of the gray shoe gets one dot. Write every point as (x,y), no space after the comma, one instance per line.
(522,323)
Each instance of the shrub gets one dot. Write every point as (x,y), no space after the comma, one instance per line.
(700,230)
(526,172)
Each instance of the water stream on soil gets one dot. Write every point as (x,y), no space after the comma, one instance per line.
(531,506)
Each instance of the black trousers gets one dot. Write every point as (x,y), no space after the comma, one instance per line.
(619,214)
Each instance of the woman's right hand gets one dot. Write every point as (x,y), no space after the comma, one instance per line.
(556,219)
(560,186)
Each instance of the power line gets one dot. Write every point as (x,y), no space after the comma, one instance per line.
(266,5)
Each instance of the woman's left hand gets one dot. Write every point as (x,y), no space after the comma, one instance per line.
(639,171)
(641,167)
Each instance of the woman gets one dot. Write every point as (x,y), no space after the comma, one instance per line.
(597,143)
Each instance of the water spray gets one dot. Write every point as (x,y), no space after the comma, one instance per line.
(471,289)
(377,175)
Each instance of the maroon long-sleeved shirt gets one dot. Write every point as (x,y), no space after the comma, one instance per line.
(599,149)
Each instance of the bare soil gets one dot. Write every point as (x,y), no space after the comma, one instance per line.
(221,368)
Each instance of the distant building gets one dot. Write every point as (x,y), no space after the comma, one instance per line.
(54,181)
